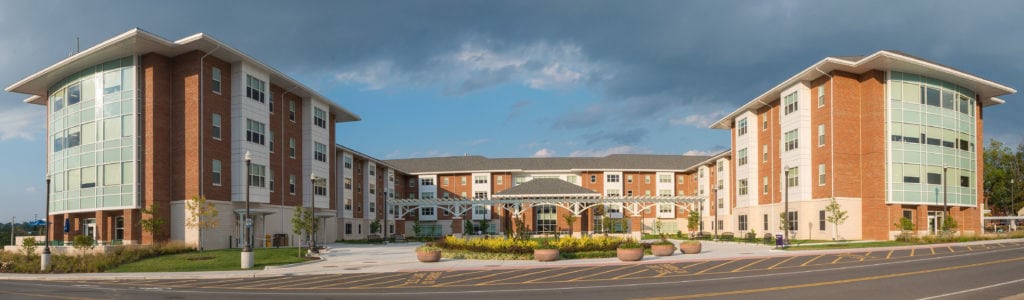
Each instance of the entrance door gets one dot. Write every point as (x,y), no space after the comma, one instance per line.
(934,222)
(90,228)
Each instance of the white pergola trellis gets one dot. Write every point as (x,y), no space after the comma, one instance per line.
(517,205)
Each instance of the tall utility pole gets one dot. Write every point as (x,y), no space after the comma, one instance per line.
(12,230)
(945,205)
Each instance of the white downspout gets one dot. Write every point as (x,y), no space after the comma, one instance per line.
(202,122)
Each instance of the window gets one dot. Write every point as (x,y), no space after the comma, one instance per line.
(742,154)
(932,97)
(348,183)
(680,179)
(764,185)
(255,89)
(571,179)
(821,220)
(792,139)
(613,178)
(593,178)
(254,131)
(793,178)
(934,178)
(909,214)
(348,162)
(765,222)
(720,184)
(270,136)
(444,181)
(462,180)
(348,228)
(412,182)
(764,153)
(320,152)
(791,103)
(665,208)
(257,175)
(426,181)
(291,111)
(112,174)
(480,195)
(216,80)
(215,133)
(613,193)
(821,95)
(742,222)
(270,180)
(216,172)
(741,127)
(291,147)
(742,187)
(965,181)
(665,178)
(480,179)
(647,179)
(499,180)
(821,135)
(629,193)
(547,219)
(271,102)
(764,124)
(427,195)
(629,178)
(291,184)
(664,193)
(721,166)
(821,174)
(320,187)
(119,228)
(794,220)
(319,117)
(74,94)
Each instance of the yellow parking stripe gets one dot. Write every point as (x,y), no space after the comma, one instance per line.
(375,284)
(474,278)
(781,262)
(518,276)
(750,264)
(810,261)
(890,254)
(601,273)
(630,274)
(556,275)
(715,267)
(951,249)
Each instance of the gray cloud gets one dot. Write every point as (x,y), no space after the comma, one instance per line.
(617,137)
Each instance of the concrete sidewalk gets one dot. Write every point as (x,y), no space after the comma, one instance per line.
(361,258)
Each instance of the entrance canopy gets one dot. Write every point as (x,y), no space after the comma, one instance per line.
(546,191)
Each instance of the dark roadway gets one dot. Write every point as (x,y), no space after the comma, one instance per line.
(990,271)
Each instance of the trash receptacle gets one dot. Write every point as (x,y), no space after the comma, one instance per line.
(778,240)
(280,240)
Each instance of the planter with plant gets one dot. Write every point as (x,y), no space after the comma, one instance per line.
(630,250)
(690,247)
(546,252)
(428,253)
(663,247)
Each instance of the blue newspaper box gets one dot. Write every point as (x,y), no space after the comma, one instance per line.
(778,240)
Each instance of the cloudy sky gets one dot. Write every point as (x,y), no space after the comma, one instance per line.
(517,78)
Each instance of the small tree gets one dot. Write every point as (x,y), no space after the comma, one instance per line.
(657,227)
(693,222)
(202,215)
(84,242)
(29,245)
(949,224)
(483,226)
(302,223)
(907,226)
(836,215)
(154,224)
(467,227)
(571,220)
(375,226)
(417,228)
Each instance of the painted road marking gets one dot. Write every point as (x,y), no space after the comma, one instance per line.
(811,260)
(835,282)
(715,267)
(890,254)
(630,274)
(601,273)
(557,275)
(474,278)
(781,262)
(519,276)
(750,264)
(376,283)
(303,280)
(364,279)
(666,269)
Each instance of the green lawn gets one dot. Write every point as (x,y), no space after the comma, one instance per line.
(212,260)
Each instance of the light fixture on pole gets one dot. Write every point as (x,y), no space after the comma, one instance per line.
(945,205)
(312,196)
(247,257)
(44,259)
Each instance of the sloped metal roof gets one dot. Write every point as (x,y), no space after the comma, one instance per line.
(546,187)
(467,164)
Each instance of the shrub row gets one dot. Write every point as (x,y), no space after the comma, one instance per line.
(519,246)
(88,263)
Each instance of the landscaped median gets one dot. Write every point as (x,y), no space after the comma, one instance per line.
(503,248)
(169,257)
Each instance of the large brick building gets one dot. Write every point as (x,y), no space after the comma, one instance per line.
(138,122)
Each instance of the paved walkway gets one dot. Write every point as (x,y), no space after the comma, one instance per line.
(361,258)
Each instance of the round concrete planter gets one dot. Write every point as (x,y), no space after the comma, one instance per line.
(663,250)
(630,254)
(689,247)
(428,256)
(546,254)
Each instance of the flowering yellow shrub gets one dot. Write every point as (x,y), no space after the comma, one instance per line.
(507,245)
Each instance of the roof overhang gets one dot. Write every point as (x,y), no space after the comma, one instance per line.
(882,60)
(710,161)
(138,42)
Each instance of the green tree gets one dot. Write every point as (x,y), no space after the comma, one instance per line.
(693,221)
(1002,184)
(302,222)
(151,221)
(201,215)
(835,215)
(570,219)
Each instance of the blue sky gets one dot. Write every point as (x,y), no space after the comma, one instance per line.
(517,79)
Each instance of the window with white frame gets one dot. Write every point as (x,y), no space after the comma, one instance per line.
(373,189)
(348,204)
(593,178)
(270,136)
(764,124)
(255,89)
(821,95)
(348,162)
(742,186)
(794,220)
(291,111)
(665,178)
(348,183)
(665,208)
(412,182)
(291,147)
(793,177)
(629,178)
(517,180)
(572,179)
(764,185)
(291,184)
(271,102)
(647,179)
(613,193)
(427,211)
(480,195)
(821,174)
(319,117)
(742,157)
(216,132)
(320,187)
(426,195)
(664,193)
(821,220)
(257,175)
(791,103)
(426,181)
(320,152)
(613,178)
(742,222)
(444,181)
(721,166)
(821,135)
(499,180)
(216,80)
(462,180)
(720,185)
(270,180)
(480,179)
(216,172)
(764,153)
(255,132)
(792,139)
(741,127)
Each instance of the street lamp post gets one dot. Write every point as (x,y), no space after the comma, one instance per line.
(785,218)
(387,211)
(247,257)
(45,258)
(312,197)
(945,204)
